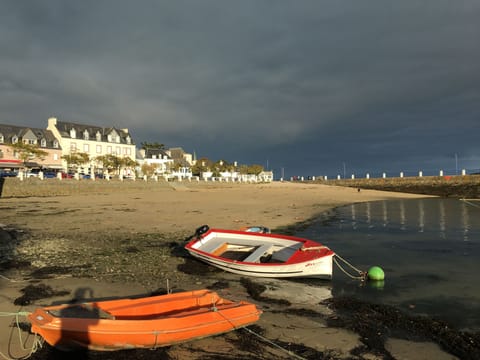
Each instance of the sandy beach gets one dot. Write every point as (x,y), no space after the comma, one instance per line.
(118,243)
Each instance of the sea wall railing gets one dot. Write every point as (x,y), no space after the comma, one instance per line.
(384,175)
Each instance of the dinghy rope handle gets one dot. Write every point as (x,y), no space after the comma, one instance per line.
(37,340)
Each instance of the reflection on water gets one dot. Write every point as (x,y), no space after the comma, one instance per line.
(429,249)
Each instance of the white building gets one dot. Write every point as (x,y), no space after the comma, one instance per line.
(156,158)
(92,140)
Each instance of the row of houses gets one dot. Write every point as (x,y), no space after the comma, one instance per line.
(65,138)
(62,138)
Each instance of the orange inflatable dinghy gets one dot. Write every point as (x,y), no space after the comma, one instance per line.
(147,322)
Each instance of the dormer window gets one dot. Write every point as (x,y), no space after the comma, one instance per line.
(117,139)
(43,143)
(86,135)
(98,136)
(55,144)
(2,139)
(109,137)
(129,140)
(14,139)
(73,133)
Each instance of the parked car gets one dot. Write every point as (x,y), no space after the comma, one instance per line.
(32,173)
(67,175)
(4,173)
(49,175)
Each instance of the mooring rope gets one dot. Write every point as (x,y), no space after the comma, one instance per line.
(275,345)
(258,335)
(361,274)
(470,203)
(12,280)
(37,340)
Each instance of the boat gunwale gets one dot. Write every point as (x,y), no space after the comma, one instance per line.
(306,244)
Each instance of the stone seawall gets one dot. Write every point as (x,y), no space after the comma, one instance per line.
(467,186)
(13,187)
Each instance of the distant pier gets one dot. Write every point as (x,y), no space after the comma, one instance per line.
(455,186)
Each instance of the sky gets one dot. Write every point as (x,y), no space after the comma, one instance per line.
(303,88)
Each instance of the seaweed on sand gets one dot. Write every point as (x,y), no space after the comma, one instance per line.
(195,267)
(375,323)
(48,352)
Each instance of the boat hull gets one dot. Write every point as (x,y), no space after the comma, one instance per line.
(290,257)
(320,269)
(141,323)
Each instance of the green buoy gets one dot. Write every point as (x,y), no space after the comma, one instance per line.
(376,273)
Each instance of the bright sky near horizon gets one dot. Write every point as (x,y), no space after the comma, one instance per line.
(301,87)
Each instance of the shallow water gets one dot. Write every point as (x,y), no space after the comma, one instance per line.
(428,248)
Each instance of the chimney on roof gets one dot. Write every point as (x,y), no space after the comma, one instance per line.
(52,121)
(125,131)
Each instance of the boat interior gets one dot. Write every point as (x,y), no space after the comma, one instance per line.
(254,250)
(148,309)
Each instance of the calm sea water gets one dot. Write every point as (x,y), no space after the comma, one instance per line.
(428,248)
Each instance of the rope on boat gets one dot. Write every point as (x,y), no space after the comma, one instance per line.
(37,340)
(274,345)
(361,274)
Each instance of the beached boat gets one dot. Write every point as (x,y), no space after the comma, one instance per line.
(261,254)
(147,322)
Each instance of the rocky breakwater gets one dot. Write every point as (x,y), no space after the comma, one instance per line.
(464,187)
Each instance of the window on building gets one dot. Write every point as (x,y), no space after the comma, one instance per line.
(43,143)
(109,137)
(109,150)
(73,133)
(117,150)
(86,148)
(73,147)
(99,149)
(86,136)
(2,139)
(14,139)
(55,144)
(55,156)
(129,140)
(98,136)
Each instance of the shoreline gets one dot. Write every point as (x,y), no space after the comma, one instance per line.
(123,244)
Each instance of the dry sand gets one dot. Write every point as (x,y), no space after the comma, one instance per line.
(177,209)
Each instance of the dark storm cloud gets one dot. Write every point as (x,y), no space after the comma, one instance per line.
(304,85)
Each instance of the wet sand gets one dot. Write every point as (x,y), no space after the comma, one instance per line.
(128,242)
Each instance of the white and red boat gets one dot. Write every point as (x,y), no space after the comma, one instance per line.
(261,254)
